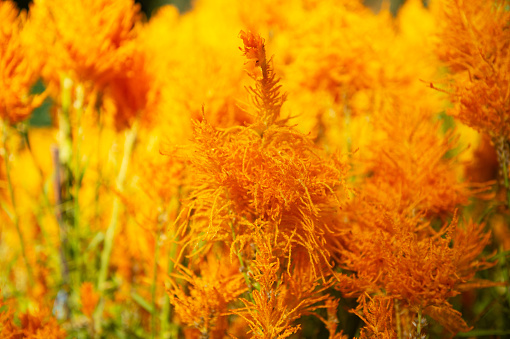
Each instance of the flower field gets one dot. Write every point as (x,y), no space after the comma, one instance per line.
(268,169)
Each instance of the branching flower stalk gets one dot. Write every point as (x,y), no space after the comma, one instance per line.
(266,93)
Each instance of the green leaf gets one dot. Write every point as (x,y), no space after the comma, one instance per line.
(499,256)
(142,302)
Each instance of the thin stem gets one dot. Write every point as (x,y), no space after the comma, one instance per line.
(65,197)
(243,267)
(15,216)
(110,232)
(502,149)
(507,185)
(155,282)
(61,160)
(62,227)
(76,174)
(418,325)
(239,256)
(165,312)
(397,314)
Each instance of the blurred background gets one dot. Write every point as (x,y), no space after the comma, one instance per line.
(148,6)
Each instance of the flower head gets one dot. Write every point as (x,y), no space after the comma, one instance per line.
(83,40)
(16,75)
(474,43)
(253,46)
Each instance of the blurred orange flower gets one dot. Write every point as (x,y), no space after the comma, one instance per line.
(16,74)
(83,40)
(89,298)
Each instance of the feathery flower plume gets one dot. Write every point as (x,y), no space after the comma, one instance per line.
(83,40)
(475,44)
(89,298)
(16,74)
(266,94)
(37,325)
(204,306)
(272,196)
(418,266)
(377,313)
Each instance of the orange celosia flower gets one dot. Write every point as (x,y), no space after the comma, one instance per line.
(269,316)
(278,181)
(89,298)
(283,295)
(254,48)
(265,95)
(474,43)
(408,161)
(272,197)
(417,265)
(16,75)
(134,88)
(332,322)
(41,325)
(7,327)
(195,62)
(83,40)
(204,307)
(377,313)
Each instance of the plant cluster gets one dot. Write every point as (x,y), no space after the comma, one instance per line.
(273,169)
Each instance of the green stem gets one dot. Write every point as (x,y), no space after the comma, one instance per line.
(244,270)
(15,216)
(418,325)
(110,231)
(397,315)
(91,266)
(507,186)
(63,153)
(69,188)
(239,256)
(77,175)
(64,124)
(165,312)
(64,266)
(503,151)
(154,283)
